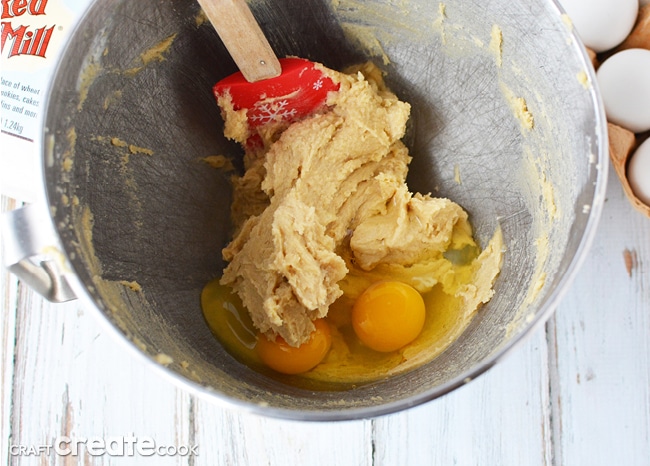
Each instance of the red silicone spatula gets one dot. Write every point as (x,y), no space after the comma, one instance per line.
(271,90)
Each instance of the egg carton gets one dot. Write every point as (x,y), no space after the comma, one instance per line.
(629,144)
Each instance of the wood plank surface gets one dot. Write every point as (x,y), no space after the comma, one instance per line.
(602,333)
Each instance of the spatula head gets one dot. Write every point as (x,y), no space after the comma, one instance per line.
(300,90)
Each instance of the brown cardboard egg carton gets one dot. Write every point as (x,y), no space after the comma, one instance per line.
(622,142)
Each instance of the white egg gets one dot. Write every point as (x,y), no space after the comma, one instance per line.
(638,172)
(624,81)
(602,24)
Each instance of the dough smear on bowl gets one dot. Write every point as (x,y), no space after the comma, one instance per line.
(325,198)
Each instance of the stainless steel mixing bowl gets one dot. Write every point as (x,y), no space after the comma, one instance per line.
(138,75)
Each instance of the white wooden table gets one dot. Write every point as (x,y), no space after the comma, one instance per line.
(576,393)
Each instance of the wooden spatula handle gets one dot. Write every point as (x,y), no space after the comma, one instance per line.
(243,38)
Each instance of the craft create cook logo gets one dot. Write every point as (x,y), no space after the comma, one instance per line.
(129,445)
(18,36)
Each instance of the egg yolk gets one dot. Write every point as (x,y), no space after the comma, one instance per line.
(279,356)
(388,315)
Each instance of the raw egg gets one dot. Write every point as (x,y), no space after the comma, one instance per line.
(624,81)
(279,356)
(388,315)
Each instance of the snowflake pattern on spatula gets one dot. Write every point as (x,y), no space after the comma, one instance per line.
(270,112)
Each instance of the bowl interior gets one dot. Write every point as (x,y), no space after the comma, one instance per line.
(131,117)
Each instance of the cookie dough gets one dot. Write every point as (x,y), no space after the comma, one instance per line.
(325,198)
